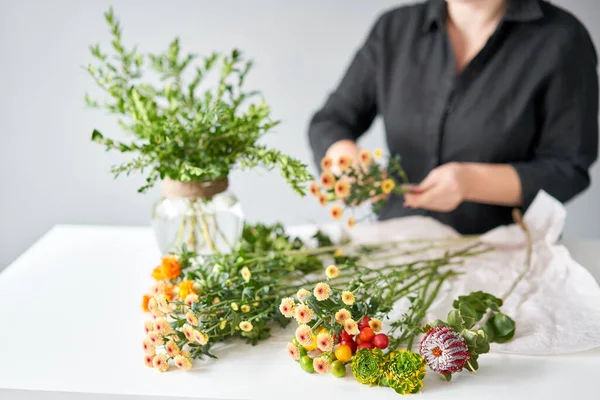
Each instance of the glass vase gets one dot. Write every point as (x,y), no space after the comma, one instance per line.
(204,216)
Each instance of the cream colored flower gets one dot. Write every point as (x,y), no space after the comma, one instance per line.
(324,342)
(185,353)
(182,362)
(191,299)
(246,274)
(149,347)
(348,298)
(332,272)
(342,315)
(216,300)
(302,294)
(350,326)
(322,365)
(188,331)
(163,304)
(287,307)
(153,307)
(377,153)
(235,307)
(200,337)
(160,363)
(256,304)
(155,338)
(338,253)
(161,325)
(245,308)
(304,335)
(304,314)
(191,318)
(222,324)
(148,326)
(293,351)
(171,348)
(246,326)
(322,291)
(375,324)
(148,360)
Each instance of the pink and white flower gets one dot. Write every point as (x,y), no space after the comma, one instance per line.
(293,351)
(444,350)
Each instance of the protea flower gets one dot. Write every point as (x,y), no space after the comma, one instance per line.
(444,350)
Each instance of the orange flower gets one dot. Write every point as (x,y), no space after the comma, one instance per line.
(336,212)
(327,180)
(314,189)
(365,157)
(351,222)
(157,273)
(342,189)
(186,288)
(171,268)
(344,162)
(145,301)
(387,186)
(322,199)
(326,163)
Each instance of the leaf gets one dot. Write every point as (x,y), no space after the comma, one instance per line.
(455,319)
(504,326)
(97,137)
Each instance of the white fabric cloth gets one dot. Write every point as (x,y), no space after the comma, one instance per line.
(556,306)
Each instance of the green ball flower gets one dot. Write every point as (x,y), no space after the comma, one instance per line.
(404,371)
(367,366)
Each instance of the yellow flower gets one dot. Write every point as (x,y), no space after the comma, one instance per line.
(351,222)
(314,189)
(188,331)
(375,324)
(324,342)
(387,186)
(182,362)
(322,200)
(172,348)
(304,335)
(377,153)
(161,325)
(191,299)
(344,162)
(246,326)
(350,326)
(149,347)
(338,253)
(186,288)
(245,308)
(327,180)
(322,365)
(148,326)
(234,306)
(200,337)
(191,318)
(336,212)
(302,294)
(348,298)
(155,338)
(246,274)
(332,272)
(326,163)
(148,360)
(342,189)
(256,304)
(304,314)
(364,156)
(153,307)
(287,307)
(322,291)
(228,282)
(342,316)
(223,324)
(160,363)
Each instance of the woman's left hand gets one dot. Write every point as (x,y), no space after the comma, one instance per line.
(442,190)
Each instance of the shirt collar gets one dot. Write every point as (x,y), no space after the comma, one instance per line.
(517,10)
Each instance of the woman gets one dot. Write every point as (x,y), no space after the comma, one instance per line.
(486,102)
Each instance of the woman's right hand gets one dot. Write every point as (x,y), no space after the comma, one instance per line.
(342,148)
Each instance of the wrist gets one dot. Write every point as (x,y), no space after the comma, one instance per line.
(465,179)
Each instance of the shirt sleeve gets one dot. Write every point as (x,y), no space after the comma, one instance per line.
(351,108)
(568,143)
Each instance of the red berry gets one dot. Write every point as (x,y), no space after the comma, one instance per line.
(350,343)
(364,322)
(365,345)
(366,334)
(358,340)
(346,336)
(381,341)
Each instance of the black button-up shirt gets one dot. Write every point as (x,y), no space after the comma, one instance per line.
(529,99)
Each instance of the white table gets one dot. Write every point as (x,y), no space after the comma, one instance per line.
(70,323)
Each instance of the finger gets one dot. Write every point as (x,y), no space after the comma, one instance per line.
(427,183)
(426,199)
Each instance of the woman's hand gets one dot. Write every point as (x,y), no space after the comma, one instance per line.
(442,190)
(339,149)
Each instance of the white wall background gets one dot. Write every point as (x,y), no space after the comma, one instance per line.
(51,173)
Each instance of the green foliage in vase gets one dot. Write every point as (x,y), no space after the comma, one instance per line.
(180,130)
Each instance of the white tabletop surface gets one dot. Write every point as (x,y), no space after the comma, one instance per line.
(71,328)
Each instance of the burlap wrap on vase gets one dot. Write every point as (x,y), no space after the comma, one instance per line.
(193,190)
